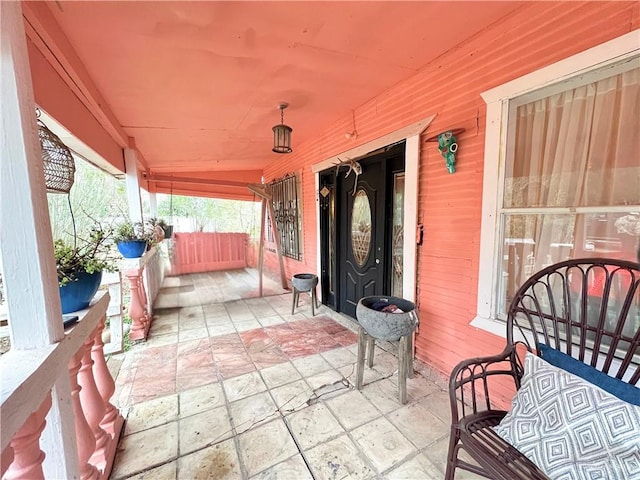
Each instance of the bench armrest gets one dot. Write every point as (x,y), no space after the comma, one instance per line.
(468,384)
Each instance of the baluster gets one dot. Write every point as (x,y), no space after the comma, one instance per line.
(104,381)
(86,440)
(92,402)
(143,298)
(136,308)
(27,456)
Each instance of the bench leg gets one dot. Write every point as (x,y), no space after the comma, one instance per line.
(371,346)
(402,370)
(362,347)
(295,301)
(410,340)
(313,302)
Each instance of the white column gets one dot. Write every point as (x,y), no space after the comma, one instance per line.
(33,300)
(411,188)
(153,205)
(26,248)
(133,185)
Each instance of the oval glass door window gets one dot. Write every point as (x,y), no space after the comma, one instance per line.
(361,227)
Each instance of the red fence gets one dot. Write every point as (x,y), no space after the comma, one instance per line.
(206,252)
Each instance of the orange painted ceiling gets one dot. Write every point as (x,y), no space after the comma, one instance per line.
(196,84)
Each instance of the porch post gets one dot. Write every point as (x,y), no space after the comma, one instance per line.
(26,249)
(133,184)
(153,205)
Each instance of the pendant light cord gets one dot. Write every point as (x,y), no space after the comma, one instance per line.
(73,221)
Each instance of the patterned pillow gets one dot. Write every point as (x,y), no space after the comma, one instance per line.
(571,429)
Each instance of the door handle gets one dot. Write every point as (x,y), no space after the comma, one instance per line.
(377,261)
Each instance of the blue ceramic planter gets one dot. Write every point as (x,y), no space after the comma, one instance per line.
(77,294)
(132,248)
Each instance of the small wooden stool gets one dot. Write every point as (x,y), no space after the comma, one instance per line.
(405,360)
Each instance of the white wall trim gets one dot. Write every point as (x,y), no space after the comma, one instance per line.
(497,99)
(411,134)
(411,188)
(402,134)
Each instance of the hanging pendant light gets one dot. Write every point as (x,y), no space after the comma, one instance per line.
(59,166)
(282,133)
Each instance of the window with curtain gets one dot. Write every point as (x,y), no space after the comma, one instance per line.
(572,176)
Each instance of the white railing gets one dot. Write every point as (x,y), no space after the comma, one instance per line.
(31,447)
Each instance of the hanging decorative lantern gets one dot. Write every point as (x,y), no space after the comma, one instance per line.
(282,133)
(59,166)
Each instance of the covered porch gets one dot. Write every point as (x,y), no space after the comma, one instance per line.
(244,389)
(181,98)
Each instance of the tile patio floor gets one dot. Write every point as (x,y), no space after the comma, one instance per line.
(245,390)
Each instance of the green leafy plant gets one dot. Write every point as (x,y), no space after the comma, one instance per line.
(160,222)
(91,253)
(128,231)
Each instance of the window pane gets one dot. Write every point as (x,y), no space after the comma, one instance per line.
(534,241)
(578,148)
(397,248)
(361,227)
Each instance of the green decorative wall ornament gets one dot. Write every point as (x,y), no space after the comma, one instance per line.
(448,146)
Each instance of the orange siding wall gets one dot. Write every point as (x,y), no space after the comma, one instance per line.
(536,35)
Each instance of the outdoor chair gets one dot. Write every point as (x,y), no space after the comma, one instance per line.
(584,317)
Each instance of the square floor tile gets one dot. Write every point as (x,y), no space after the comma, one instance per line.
(224,329)
(352,409)
(151,413)
(339,357)
(246,325)
(193,334)
(243,386)
(418,424)
(383,394)
(292,396)
(270,320)
(204,429)
(167,471)
(279,375)
(252,411)
(326,379)
(291,469)
(200,399)
(417,467)
(311,365)
(266,446)
(147,449)
(313,425)
(338,459)
(382,443)
(218,461)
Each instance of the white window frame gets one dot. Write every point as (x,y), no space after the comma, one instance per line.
(495,154)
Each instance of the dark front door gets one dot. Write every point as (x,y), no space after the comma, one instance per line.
(361,232)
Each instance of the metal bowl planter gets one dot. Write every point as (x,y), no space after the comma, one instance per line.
(132,248)
(76,294)
(304,282)
(386,325)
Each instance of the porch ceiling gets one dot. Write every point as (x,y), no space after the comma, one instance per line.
(196,84)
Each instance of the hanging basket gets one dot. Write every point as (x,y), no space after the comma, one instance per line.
(59,166)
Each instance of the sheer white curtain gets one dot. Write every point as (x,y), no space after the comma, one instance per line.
(577,148)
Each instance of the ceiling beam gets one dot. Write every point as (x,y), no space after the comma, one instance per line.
(201,181)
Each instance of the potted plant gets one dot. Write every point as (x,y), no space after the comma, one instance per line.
(80,267)
(132,238)
(166,229)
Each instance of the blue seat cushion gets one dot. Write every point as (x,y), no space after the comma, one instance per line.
(624,391)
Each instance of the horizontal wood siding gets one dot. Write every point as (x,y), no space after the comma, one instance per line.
(536,35)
